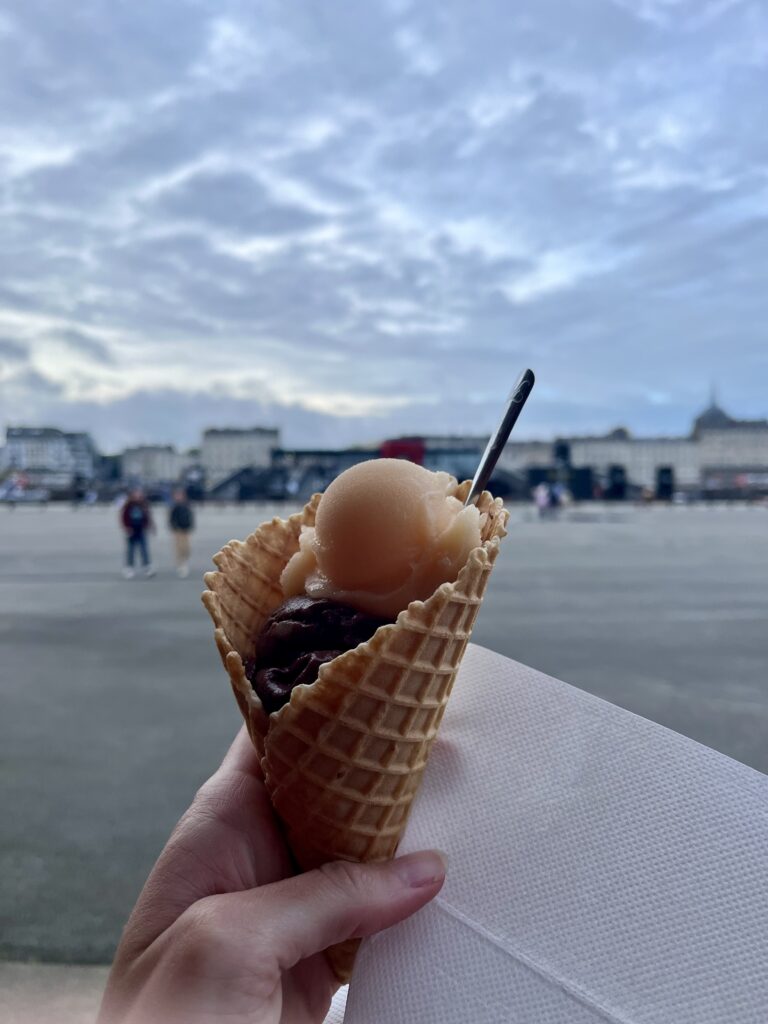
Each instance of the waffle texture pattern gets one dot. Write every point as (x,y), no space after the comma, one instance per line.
(343,759)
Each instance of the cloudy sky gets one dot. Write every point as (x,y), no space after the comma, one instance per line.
(355,220)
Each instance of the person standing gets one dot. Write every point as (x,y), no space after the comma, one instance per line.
(136,518)
(181,522)
(541,498)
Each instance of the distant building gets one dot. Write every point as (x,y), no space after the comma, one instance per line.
(448,453)
(721,454)
(38,449)
(110,469)
(332,460)
(224,451)
(733,454)
(49,457)
(84,453)
(456,442)
(302,471)
(727,442)
(150,464)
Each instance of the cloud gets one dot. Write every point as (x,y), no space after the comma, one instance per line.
(12,351)
(30,385)
(232,202)
(86,345)
(364,219)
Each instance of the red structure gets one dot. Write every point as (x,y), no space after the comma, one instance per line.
(410,448)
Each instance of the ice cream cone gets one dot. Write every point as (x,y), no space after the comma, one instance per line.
(343,759)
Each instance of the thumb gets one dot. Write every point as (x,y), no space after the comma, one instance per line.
(341,900)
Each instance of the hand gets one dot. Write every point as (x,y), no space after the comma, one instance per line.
(223,932)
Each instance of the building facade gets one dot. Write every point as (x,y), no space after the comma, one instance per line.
(224,451)
(85,455)
(148,464)
(720,454)
(49,457)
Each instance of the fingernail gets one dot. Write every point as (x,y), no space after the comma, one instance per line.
(419,869)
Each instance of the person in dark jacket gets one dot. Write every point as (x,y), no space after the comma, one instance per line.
(136,519)
(181,522)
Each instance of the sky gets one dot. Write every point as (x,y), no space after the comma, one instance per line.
(361,220)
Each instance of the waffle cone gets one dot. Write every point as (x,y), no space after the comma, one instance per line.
(343,759)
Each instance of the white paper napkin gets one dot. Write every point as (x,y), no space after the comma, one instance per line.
(336,1012)
(601,868)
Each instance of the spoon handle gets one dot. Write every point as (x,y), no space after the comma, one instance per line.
(512,410)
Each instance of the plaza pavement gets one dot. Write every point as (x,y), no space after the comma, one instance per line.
(115,707)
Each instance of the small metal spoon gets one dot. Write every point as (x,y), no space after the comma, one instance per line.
(495,446)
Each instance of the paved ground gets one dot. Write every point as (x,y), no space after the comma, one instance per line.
(44,993)
(115,707)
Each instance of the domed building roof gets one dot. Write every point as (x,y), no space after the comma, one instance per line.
(618,434)
(712,418)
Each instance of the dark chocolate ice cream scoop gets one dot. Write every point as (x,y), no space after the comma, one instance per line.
(300,636)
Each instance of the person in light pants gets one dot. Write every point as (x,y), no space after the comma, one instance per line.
(181,522)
